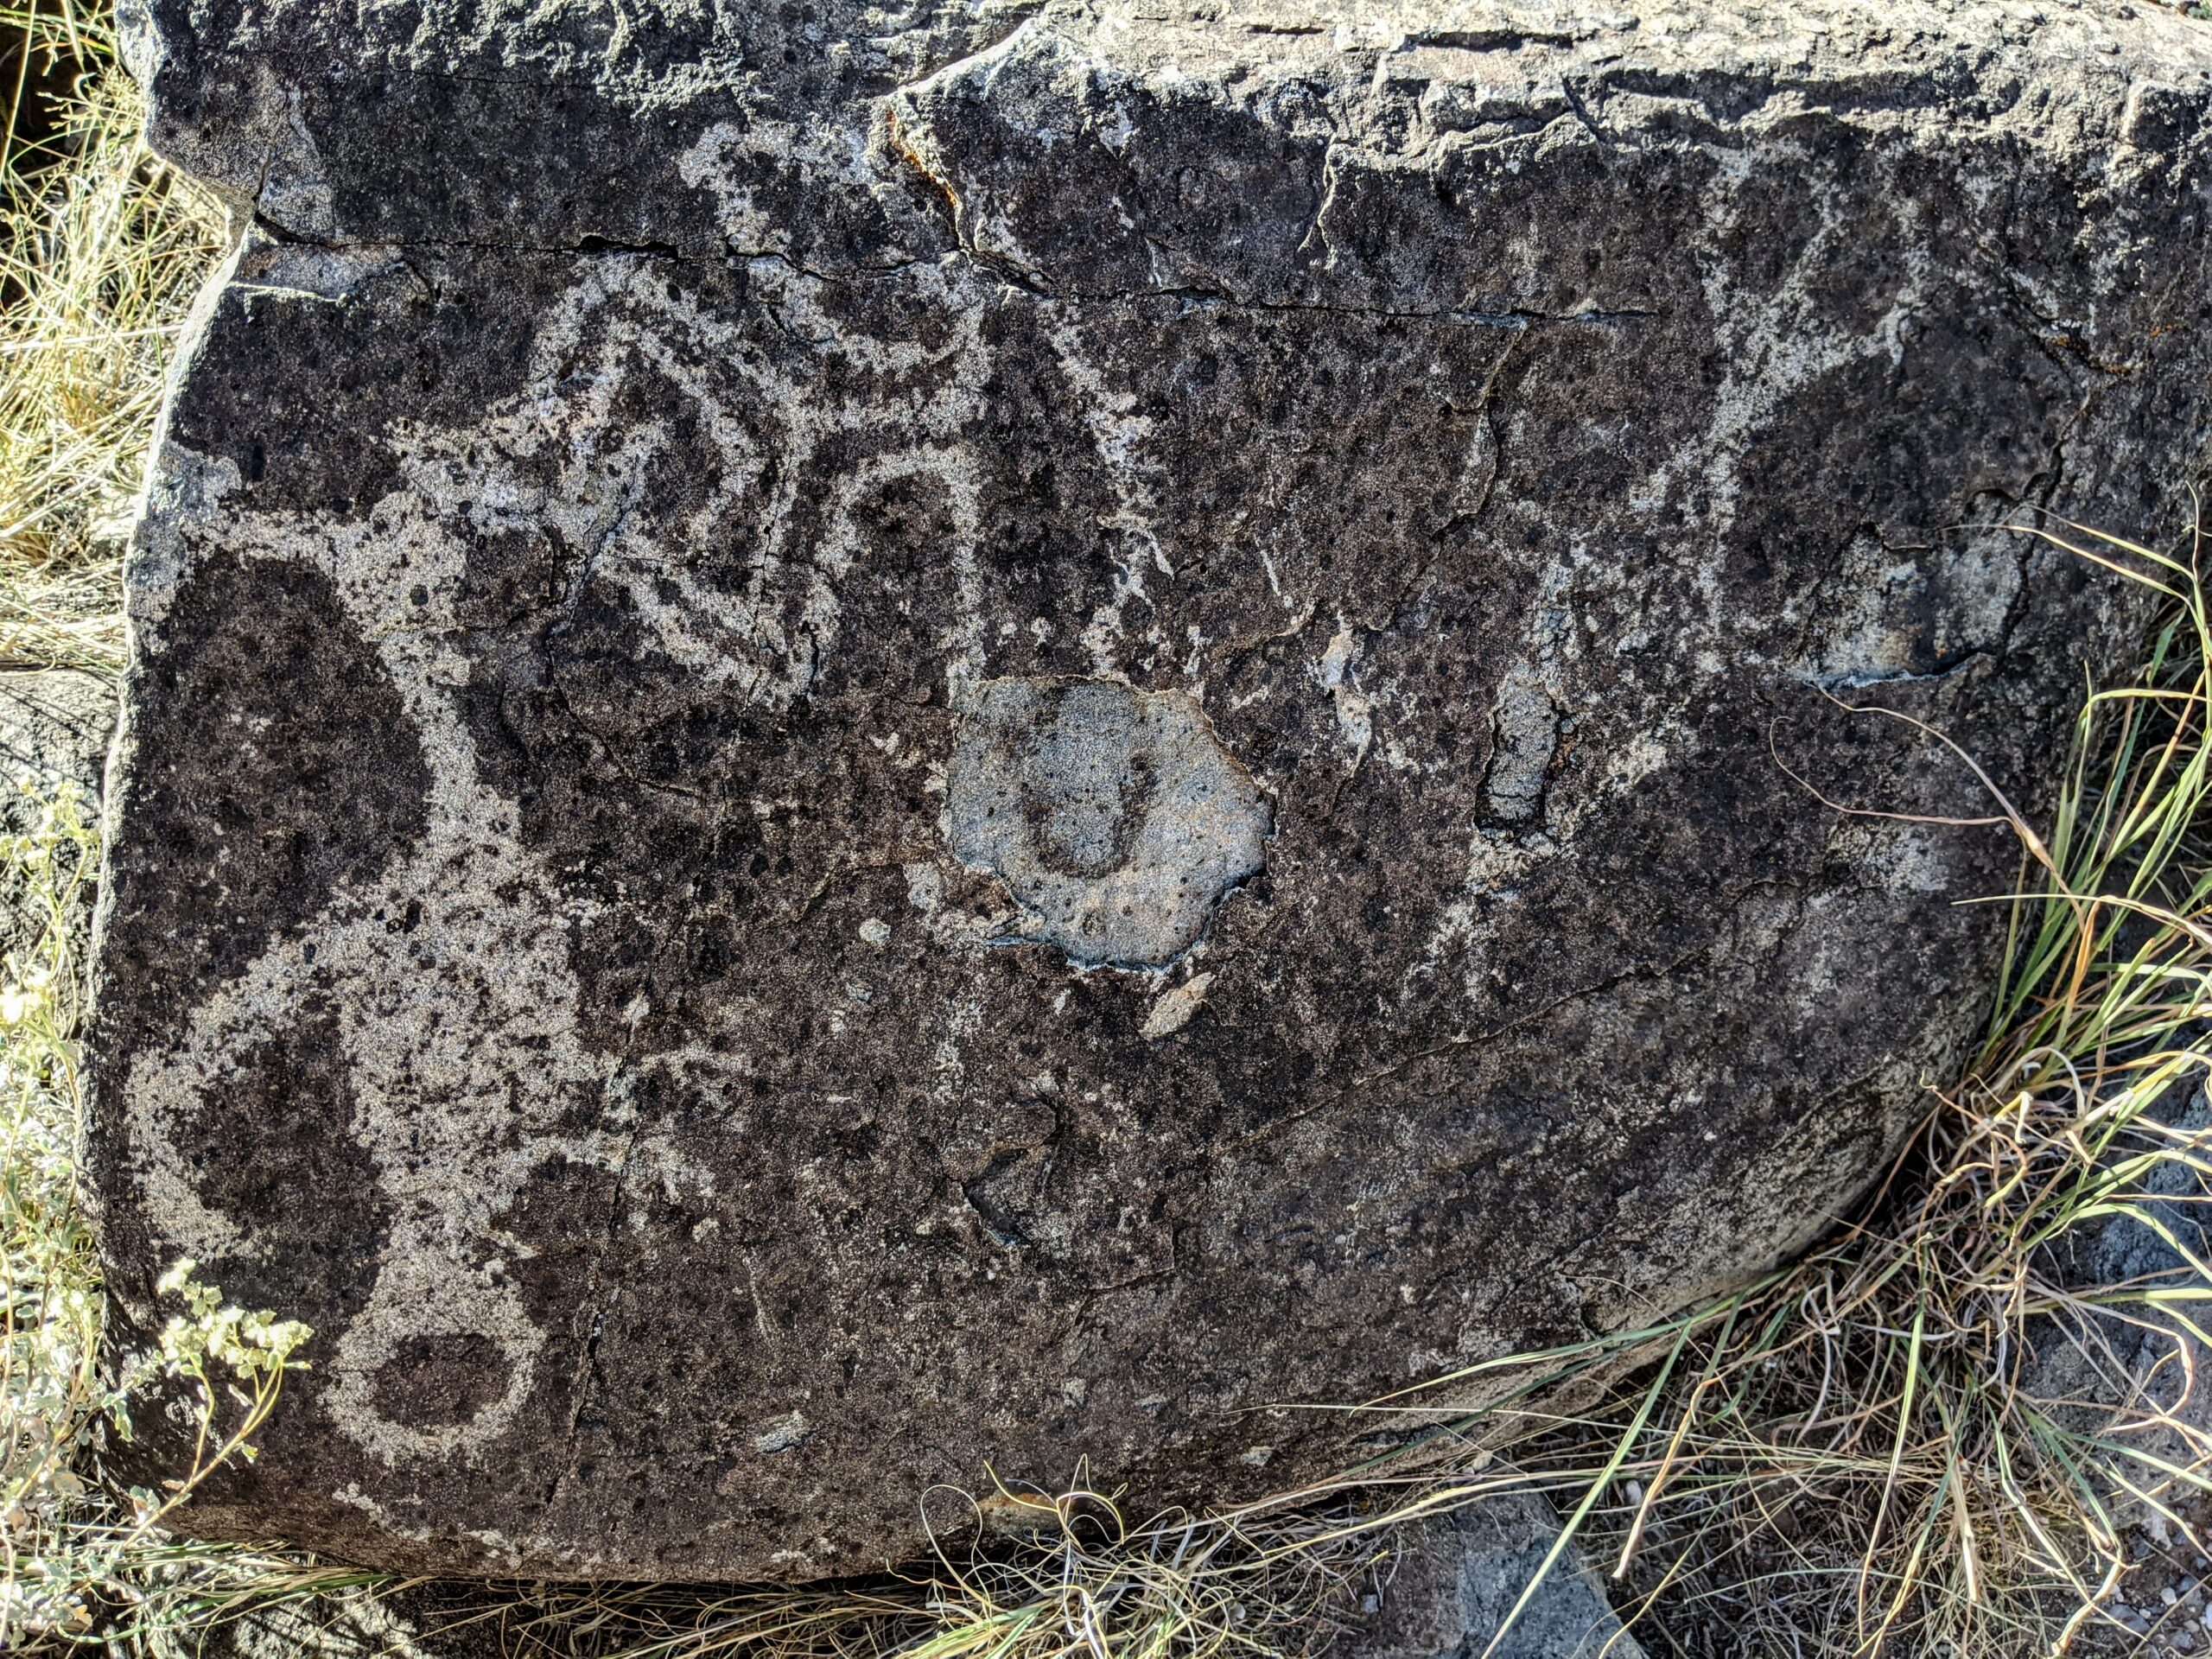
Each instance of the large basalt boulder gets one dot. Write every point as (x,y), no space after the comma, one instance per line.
(868,748)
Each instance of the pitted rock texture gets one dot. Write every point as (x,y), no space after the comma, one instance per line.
(651,478)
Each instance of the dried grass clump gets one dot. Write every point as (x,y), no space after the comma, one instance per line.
(102,249)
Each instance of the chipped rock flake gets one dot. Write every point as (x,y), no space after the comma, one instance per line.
(1176,1008)
(783,1434)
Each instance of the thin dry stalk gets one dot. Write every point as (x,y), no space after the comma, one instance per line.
(102,249)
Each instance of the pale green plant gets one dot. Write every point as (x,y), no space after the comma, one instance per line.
(83,1561)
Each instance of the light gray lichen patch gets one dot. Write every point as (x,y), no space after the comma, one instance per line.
(1114,817)
(1905,613)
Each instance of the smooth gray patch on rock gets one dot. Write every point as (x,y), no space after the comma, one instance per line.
(1113,816)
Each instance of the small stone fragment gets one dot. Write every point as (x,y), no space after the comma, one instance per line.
(1175,1008)
(782,1434)
(1456,1581)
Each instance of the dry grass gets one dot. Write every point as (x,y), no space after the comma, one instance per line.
(102,248)
(1876,1451)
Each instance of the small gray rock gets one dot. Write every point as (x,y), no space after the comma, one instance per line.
(2142,1355)
(55,725)
(1460,1577)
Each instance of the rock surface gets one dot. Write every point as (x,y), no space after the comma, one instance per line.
(872,746)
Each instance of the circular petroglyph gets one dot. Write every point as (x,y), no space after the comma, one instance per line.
(1114,817)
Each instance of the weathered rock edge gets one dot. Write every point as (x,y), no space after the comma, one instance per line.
(631,449)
